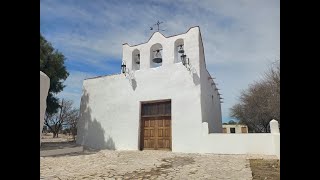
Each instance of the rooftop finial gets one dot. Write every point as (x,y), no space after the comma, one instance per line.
(158,26)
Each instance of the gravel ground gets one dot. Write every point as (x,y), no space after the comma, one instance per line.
(106,164)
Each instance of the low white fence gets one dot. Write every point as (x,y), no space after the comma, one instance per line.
(246,143)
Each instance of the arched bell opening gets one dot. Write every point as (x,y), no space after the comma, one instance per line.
(156,55)
(135,59)
(178,50)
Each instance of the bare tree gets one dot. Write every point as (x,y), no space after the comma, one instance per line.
(56,121)
(232,122)
(72,121)
(260,103)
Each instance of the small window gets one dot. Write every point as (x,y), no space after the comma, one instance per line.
(244,130)
(232,130)
(224,130)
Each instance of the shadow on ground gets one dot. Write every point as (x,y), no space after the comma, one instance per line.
(86,151)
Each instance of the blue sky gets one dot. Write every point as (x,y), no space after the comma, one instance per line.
(241,37)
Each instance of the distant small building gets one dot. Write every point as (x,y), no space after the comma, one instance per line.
(234,128)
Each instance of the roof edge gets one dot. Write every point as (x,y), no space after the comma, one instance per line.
(162,35)
(102,76)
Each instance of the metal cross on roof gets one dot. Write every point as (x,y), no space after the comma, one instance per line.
(158,25)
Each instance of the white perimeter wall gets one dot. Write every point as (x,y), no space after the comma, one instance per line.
(249,143)
(44,88)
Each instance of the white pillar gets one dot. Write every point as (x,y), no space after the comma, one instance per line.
(274,126)
(44,88)
(205,129)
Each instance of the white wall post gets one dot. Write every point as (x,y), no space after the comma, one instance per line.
(205,129)
(274,128)
(44,88)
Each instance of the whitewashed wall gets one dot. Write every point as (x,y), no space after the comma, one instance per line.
(210,100)
(249,143)
(274,127)
(110,107)
(44,88)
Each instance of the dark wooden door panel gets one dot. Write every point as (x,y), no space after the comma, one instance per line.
(164,127)
(149,136)
(156,133)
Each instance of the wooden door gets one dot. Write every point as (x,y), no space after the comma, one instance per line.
(156,126)
(156,133)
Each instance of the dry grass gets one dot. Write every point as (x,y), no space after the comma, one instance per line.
(47,137)
(265,169)
(50,143)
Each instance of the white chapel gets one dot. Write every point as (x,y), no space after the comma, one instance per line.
(163,99)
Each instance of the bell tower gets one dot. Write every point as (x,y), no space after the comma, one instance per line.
(160,51)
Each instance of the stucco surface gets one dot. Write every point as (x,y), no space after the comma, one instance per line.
(44,88)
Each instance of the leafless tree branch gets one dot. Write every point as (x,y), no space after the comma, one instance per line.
(260,103)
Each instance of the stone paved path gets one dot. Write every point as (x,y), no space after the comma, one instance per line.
(107,164)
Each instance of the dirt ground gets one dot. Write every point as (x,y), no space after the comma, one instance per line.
(265,169)
(169,165)
(149,164)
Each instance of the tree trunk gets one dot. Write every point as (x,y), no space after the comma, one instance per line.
(55,135)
